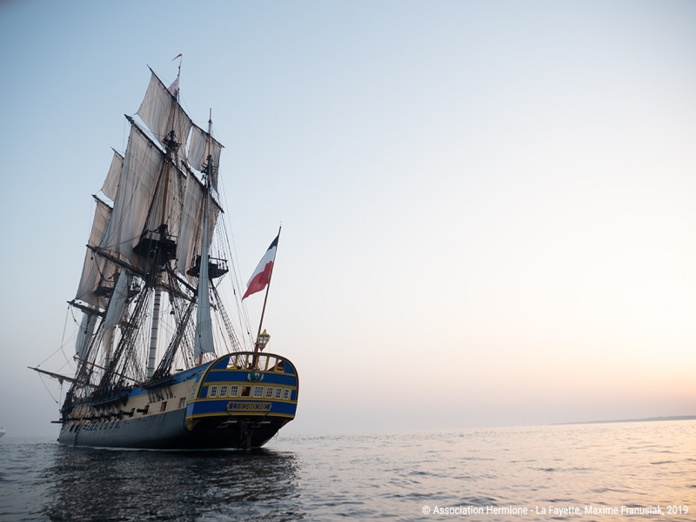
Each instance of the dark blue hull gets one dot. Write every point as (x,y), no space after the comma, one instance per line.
(168,431)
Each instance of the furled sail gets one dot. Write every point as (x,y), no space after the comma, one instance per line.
(204,329)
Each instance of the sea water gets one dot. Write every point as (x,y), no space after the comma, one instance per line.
(603,472)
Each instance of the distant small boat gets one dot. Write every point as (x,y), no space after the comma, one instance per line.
(2,432)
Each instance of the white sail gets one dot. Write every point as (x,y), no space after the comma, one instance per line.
(204,328)
(115,314)
(141,170)
(96,270)
(110,185)
(162,113)
(204,325)
(166,203)
(190,240)
(202,145)
(118,302)
(85,334)
(191,218)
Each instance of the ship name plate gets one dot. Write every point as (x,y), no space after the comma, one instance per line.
(248,406)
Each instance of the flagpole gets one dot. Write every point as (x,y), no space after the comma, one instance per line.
(268,287)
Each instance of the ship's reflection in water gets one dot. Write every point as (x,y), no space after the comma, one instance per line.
(91,484)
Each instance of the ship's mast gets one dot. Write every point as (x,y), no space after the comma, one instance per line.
(160,255)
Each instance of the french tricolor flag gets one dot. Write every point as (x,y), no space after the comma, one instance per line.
(262,274)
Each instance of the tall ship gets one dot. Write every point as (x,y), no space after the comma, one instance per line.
(159,363)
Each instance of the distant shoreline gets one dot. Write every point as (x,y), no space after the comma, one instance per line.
(648,419)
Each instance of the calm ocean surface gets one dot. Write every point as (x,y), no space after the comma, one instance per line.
(616,471)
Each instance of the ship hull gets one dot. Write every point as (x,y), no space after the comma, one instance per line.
(168,432)
(238,401)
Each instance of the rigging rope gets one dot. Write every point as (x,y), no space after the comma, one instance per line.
(62,343)
(49,391)
(242,312)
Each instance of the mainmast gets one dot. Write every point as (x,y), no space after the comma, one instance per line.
(162,248)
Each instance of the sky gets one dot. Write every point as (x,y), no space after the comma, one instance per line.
(487,207)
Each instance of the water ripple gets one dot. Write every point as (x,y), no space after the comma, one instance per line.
(358,477)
